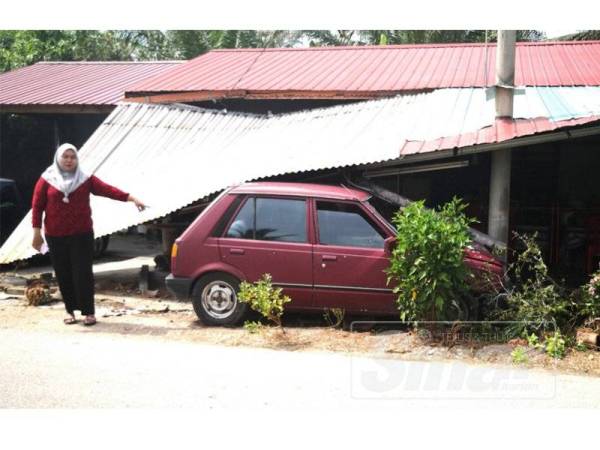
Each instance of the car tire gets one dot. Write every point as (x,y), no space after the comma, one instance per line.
(215,300)
(461,309)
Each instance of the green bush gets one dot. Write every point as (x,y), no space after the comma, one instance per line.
(264,298)
(426,265)
(536,302)
(590,299)
(556,345)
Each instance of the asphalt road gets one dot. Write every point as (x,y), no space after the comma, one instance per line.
(40,369)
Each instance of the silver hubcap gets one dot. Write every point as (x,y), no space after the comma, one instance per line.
(219,299)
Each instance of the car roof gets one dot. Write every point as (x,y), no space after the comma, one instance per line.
(302,190)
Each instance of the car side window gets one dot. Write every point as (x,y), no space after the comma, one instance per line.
(279,219)
(242,226)
(270,219)
(348,225)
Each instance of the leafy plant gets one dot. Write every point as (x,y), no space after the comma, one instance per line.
(426,265)
(590,299)
(556,346)
(533,340)
(581,347)
(535,302)
(334,317)
(253,327)
(264,298)
(519,356)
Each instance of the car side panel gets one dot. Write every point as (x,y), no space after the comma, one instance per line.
(352,278)
(290,265)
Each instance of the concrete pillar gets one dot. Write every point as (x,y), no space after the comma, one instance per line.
(499,208)
(499,201)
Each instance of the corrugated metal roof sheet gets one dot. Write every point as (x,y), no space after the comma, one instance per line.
(75,83)
(171,156)
(386,69)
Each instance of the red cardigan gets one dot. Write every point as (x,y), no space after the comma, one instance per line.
(75,217)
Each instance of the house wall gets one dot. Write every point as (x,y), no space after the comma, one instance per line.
(27,143)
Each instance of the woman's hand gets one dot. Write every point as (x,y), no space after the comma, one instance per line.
(37,239)
(138,203)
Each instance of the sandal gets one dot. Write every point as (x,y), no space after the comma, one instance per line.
(89,320)
(69,320)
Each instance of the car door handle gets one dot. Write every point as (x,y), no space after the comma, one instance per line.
(237,251)
(329,258)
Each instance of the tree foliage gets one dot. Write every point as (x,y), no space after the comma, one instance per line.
(399,37)
(585,35)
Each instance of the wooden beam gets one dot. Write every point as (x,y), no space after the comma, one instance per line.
(182,97)
(199,96)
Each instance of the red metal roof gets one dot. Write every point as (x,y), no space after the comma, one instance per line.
(377,69)
(75,83)
(503,130)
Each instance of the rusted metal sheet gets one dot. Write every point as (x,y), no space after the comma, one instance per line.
(172,155)
(74,83)
(341,72)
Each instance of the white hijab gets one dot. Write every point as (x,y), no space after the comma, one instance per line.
(60,179)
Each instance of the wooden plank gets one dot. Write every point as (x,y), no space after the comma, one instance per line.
(198,96)
(182,97)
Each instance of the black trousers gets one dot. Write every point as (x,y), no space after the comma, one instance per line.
(72,258)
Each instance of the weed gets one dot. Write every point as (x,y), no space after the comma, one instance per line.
(253,327)
(519,356)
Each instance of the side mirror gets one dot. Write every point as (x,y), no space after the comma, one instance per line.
(389,244)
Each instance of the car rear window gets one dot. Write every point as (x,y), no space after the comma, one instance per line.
(226,217)
(346,224)
(270,219)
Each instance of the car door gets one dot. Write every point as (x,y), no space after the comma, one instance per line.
(271,235)
(349,259)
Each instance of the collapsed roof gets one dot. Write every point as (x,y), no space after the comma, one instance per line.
(173,155)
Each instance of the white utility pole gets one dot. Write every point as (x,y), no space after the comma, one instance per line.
(499,201)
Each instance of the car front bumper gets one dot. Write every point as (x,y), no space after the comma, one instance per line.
(180,287)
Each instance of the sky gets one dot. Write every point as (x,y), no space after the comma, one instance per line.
(554,33)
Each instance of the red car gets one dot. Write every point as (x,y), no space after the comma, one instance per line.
(326,246)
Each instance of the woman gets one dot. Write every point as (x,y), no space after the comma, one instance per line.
(63,194)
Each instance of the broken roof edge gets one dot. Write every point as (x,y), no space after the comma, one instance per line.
(566,129)
(193,108)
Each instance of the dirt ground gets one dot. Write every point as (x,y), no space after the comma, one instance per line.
(123,311)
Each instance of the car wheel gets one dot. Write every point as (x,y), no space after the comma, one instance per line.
(461,308)
(215,300)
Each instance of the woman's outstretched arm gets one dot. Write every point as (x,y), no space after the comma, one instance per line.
(103,189)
